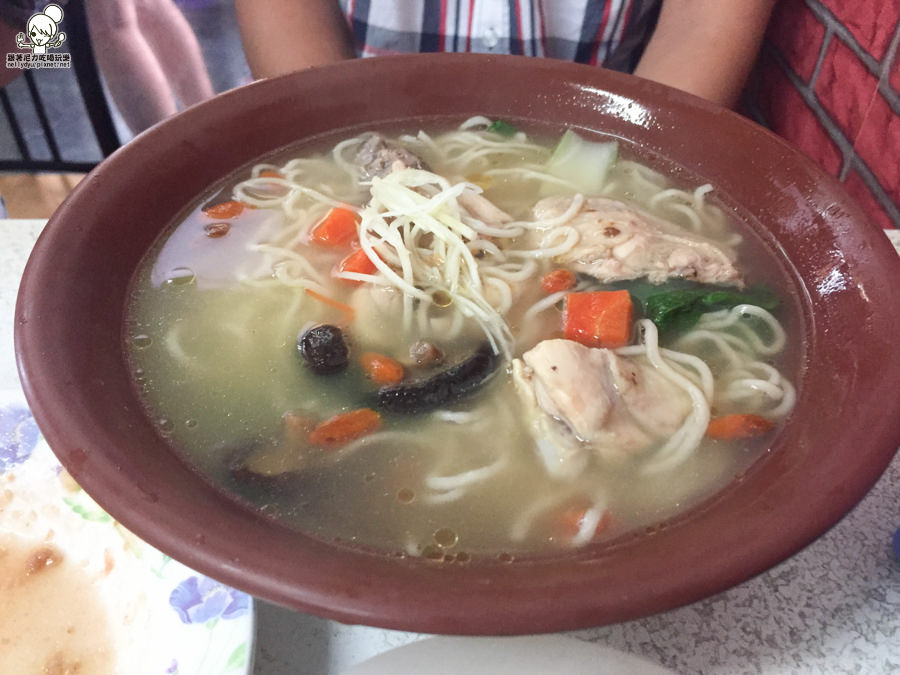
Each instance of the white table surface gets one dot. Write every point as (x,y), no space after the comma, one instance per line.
(832,608)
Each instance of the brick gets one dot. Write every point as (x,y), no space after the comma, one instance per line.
(797,35)
(860,192)
(845,88)
(871,22)
(788,115)
(878,144)
(894,75)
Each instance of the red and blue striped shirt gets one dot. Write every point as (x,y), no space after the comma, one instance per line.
(611,33)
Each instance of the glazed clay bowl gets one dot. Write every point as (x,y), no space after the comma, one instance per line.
(840,438)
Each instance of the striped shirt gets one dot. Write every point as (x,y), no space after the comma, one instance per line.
(17,12)
(611,33)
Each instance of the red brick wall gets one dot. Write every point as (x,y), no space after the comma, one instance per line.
(828,81)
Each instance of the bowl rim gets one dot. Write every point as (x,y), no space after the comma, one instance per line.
(193,522)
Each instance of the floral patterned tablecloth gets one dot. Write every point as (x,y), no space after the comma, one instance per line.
(163,618)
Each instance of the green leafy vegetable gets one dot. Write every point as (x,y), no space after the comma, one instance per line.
(583,163)
(679,310)
(502,128)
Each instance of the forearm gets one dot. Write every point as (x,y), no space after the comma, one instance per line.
(706,47)
(281,36)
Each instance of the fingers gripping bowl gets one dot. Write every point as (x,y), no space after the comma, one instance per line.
(837,273)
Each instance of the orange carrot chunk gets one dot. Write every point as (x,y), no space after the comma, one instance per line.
(730,427)
(345,427)
(382,369)
(599,318)
(337,228)
(357,262)
(557,280)
(229,209)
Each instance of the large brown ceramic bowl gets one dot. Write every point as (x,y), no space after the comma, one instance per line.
(842,435)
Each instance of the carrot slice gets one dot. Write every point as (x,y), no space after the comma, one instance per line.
(341,429)
(382,369)
(557,280)
(270,173)
(730,427)
(337,228)
(571,519)
(357,262)
(599,318)
(346,309)
(229,209)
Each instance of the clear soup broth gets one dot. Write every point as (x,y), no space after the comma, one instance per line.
(465,342)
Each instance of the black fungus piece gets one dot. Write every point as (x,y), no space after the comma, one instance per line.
(448,386)
(324,349)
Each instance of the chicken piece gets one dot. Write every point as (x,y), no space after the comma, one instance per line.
(379,156)
(587,402)
(619,242)
(480,207)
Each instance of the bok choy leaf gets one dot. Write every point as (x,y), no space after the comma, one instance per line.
(677,311)
(583,163)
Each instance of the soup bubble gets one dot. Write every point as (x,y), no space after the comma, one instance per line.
(445,537)
(432,552)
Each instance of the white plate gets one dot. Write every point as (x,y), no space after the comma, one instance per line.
(83,594)
(530,655)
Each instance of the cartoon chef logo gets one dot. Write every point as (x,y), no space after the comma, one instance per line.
(43,31)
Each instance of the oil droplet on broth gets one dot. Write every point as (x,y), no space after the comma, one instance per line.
(432,552)
(181,276)
(441,299)
(405,495)
(141,341)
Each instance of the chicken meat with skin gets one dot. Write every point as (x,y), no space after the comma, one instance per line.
(588,403)
(481,208)
(617,242)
